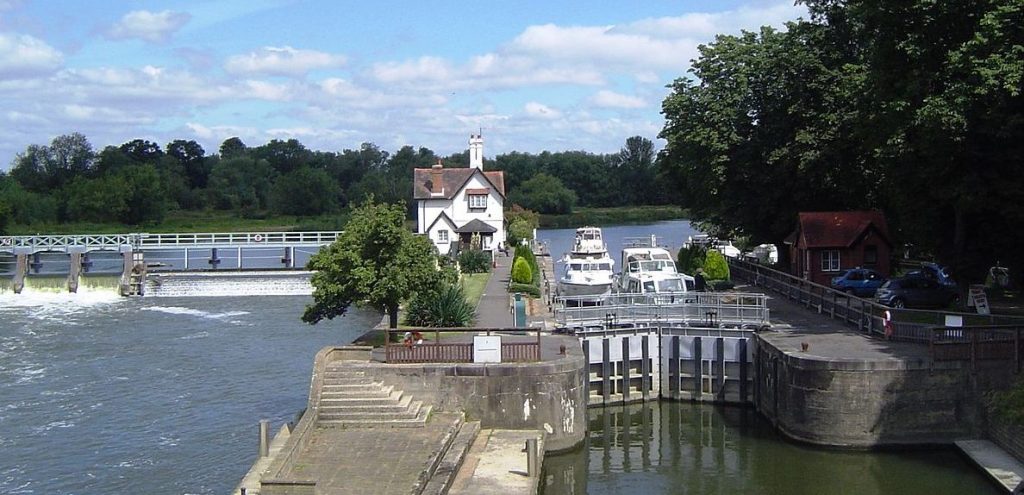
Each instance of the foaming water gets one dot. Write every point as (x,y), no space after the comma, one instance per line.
(106,394)
(230,284)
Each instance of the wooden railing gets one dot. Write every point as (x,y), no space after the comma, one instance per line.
(981,343)
(455,345)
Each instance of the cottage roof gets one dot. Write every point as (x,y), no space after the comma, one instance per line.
(474,226)
(833,229)
(453,180)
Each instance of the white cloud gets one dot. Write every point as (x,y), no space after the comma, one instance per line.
(423,69)
(611,99)
(23,56)
(154,27)
(542,111)
(283,61)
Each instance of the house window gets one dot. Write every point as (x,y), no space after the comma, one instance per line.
(442,236)
(870,255)
(478,201)
(830,260)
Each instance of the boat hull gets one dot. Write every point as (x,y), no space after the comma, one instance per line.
(567,289)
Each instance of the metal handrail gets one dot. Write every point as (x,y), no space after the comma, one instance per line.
(142,240)
(700,308)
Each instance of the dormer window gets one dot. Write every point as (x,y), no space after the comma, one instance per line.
(478,201)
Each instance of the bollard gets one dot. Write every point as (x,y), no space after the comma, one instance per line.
(264,438)
(532,458)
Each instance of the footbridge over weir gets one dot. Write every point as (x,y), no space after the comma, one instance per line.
(133,247)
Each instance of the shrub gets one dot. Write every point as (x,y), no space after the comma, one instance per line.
(691,258)
(715,266)
(526,253)
(521,272)
(1009,404)
(444,308)
(475,261)
(529,289)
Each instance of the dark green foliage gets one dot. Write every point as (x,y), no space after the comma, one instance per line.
(715,266)
(719,285)
(521,272)
(529,289)
(544,194)
(305,191)
(241,184)
(1009,404)
(445,308)
(475,261)
(690,258)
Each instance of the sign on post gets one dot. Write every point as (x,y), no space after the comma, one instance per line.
(486,349)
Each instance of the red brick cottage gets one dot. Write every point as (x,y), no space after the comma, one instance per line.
(827,242)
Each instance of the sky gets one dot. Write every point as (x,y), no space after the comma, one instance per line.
(531,75)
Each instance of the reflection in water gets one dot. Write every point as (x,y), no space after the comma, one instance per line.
(675,447)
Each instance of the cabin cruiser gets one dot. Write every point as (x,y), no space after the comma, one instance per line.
(589,271)
(650,270)
(723,246)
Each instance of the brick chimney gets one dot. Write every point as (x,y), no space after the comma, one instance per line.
(436,183)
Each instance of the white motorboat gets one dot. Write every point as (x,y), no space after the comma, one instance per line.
(589,271)
(650,270)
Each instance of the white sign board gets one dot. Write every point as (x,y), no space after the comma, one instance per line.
(486,349)
(954,321)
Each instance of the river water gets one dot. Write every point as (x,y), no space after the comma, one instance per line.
(163,394)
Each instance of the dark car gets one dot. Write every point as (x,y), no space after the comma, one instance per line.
(916,292)
(858,281)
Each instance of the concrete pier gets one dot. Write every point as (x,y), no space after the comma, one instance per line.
(20,270)
(996,463)
(74,272)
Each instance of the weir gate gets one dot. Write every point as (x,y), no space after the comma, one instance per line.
(686,346)
(135,253)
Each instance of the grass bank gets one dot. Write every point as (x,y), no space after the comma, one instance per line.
(617,215)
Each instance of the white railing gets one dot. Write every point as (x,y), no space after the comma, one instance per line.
(711,309)
(93,242)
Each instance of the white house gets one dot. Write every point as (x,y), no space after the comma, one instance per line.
(455,204)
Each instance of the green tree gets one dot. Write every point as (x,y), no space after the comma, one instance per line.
(241,183)
(376,261)
(690,258)
(233,147)
(192,157)
(305,191)
(544,194)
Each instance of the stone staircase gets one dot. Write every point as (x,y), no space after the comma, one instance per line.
(349,398)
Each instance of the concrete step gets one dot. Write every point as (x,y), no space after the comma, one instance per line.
(411,411)
(344,405)
(355,400)
(454,456)
(361,385)
(348,391)
(417,422)
(346,379)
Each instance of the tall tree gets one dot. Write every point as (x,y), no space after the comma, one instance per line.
(376,261)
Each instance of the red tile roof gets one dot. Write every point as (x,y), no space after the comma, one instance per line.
(453,179)
(824,229)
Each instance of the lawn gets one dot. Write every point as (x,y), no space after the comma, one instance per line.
(473,285)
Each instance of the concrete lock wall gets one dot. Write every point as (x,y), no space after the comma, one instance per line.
(546,395)
(866,403)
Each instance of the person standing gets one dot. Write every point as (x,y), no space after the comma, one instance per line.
(700,284)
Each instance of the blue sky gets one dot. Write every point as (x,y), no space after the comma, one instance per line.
(533,75)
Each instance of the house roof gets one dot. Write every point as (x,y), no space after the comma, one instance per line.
(443,217)
(825,229)
(476,225)
(453,179)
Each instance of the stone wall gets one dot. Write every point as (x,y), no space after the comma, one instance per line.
(548,395)
(863,403)
(1009,436)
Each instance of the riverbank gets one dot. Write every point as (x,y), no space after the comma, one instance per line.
(613,216)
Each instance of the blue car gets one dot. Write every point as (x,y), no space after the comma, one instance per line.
(858,281)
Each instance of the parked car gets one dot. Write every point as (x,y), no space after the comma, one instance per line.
(916,291)
(858,281)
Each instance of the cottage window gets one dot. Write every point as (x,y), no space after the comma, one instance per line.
(478,201)
(830,260)
(442,236)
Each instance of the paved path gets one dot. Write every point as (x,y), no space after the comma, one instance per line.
(493,310)
(496,465)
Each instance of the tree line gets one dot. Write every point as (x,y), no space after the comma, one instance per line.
(140,182)
(913,108)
